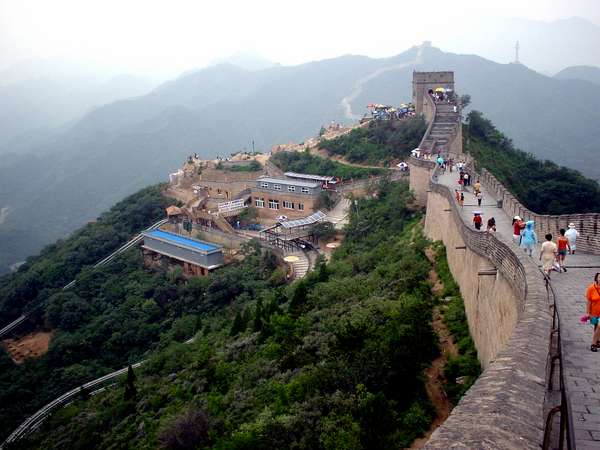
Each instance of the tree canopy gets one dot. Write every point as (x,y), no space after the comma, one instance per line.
(381,143)
(542,186)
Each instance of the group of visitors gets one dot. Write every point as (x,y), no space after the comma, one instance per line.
(552,254)
(416,153)
(464,178)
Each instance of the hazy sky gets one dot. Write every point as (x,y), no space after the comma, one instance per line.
(165,38)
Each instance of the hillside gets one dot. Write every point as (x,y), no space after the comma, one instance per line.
(586,73)
(49,187)
(306,365)
(541,185)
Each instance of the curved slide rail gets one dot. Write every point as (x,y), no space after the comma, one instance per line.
(132,242)
(34,421)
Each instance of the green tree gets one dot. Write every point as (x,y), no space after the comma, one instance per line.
(465,100)
(238,325)
(130,389)
(298,300)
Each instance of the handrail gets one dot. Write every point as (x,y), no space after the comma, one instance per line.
(566,430)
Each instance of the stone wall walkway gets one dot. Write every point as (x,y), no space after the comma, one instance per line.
(582,367)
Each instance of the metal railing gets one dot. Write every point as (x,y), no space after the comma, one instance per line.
(566,434)
(33,422)
(30,309)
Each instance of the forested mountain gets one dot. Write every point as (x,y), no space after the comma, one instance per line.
(48,189)
(32,108)
(587,73)
(336,357)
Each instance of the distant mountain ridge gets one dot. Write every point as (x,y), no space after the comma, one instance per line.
(52,186)
(39,104)
(586,73)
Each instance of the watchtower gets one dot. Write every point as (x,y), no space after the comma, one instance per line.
(425,81)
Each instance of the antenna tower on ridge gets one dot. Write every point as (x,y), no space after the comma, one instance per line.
(517,53)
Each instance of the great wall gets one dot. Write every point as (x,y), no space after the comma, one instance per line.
(539,386)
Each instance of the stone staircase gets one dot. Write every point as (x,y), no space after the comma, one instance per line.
(442,132)
(301,266)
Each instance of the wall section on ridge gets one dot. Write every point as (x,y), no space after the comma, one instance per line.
(420,173)
(491,304)
(587,224)
(504,409)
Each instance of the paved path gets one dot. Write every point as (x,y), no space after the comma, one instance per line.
(582,367)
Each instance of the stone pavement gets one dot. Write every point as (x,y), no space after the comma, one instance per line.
(582,367)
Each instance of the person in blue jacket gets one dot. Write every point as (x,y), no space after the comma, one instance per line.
(528,238)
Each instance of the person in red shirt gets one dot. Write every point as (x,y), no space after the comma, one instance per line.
(593,309)
(518,226)
(477,221)
(563,245)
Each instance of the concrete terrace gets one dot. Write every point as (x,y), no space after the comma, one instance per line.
(582,367)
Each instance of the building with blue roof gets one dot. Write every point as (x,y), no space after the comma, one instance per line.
(196,257)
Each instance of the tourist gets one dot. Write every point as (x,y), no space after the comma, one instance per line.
(462,200)
(548,255)
(518,226)
(592,295)
(477,187)
(479,197)
(491,225)
(528,238)
(450,164)
(457,195)
(477,221)
(563,245)
(571,234)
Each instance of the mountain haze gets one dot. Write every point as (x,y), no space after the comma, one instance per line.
(587,73)
(50,187)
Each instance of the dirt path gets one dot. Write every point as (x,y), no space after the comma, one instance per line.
(435,373)
(31,345)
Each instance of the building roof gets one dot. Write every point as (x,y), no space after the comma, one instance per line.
(287,182)
(191,243)
(306,176)
(173,210)
(313,218)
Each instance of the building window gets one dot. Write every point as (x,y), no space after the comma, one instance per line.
(305,190)
(259,202)
(292,188)
(300,206)
(264,185)
(277,187)
(288,205)
(273,204)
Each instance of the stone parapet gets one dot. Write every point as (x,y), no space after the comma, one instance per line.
(504,408)
(587,224)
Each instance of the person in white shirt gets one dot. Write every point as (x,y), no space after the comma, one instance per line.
(571,234)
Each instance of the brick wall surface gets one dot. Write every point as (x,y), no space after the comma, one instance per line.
(504,408)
